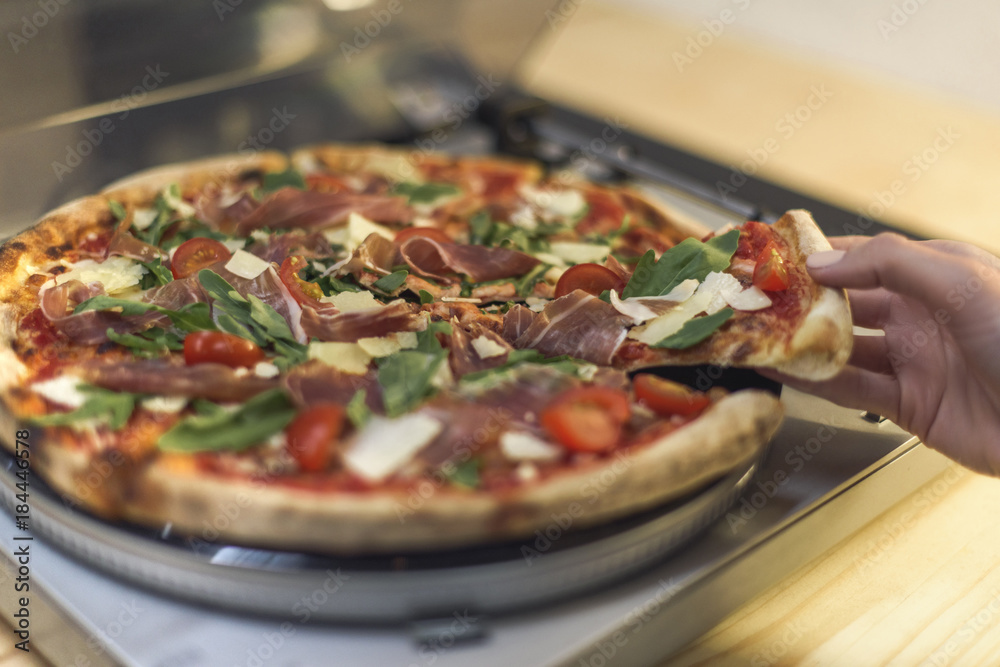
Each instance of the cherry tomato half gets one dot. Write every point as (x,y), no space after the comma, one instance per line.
(221,348)
(196,254)
(304,292)
(432,233)
(591,278)
(312,433)
(667,398)
(770,273)
(587,419)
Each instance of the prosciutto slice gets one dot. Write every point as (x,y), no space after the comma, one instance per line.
(465,358)
(578,324)
(434,259)
(89,328)
(277,247)
(307,209)
(214,382)
(516,321)
(268,288)
(315,382)
(351,326)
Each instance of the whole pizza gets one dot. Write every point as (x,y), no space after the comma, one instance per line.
(362,349)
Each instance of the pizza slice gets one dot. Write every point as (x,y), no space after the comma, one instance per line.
(373,350)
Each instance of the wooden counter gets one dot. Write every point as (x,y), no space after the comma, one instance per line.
(921,584)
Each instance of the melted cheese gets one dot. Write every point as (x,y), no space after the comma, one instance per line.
(115,273)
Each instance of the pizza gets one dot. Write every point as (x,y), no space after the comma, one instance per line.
(363,349)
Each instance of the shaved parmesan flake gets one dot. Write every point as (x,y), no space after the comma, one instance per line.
(165,404)
(142,218)
(671,321)
(265,369)
(460,299)
(347,357)
(232,245)
(247,265)
(536,304)
(722,286)
(522,446)
(384,446)
(61,390)
(347,302)
(752,298)
(631,308)
(386,345)
(354,233)
(116,273)
(487,348)
(562,203)
(636,308)
(184,209)
(579,253)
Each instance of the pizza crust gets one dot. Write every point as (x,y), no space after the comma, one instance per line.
(142,187)
(268,513)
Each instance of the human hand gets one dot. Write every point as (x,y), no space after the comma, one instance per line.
(936,371)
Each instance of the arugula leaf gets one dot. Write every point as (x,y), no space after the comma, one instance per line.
(165,217)
(481,228)
(407,376)
(193,229)
(525,285)
(425,297)
(252,319)
(688,259)
(192,317)
(357,409)
(425,193)
(117,210)
(391,282)
(213,429)
(696,330)
(465,474)
(111,406)
(156,274)
(290,178)
(149,343)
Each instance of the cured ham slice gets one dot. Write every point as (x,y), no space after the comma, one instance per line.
(434,259)
(371,323)
(276,248)
(89,328)
(315,382)
(579,325)
(516,321)
(307,209)
(211,381)
(473,351)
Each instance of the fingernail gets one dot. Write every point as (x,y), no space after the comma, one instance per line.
(825,258)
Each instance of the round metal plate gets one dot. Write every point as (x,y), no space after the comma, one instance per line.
(551,565)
